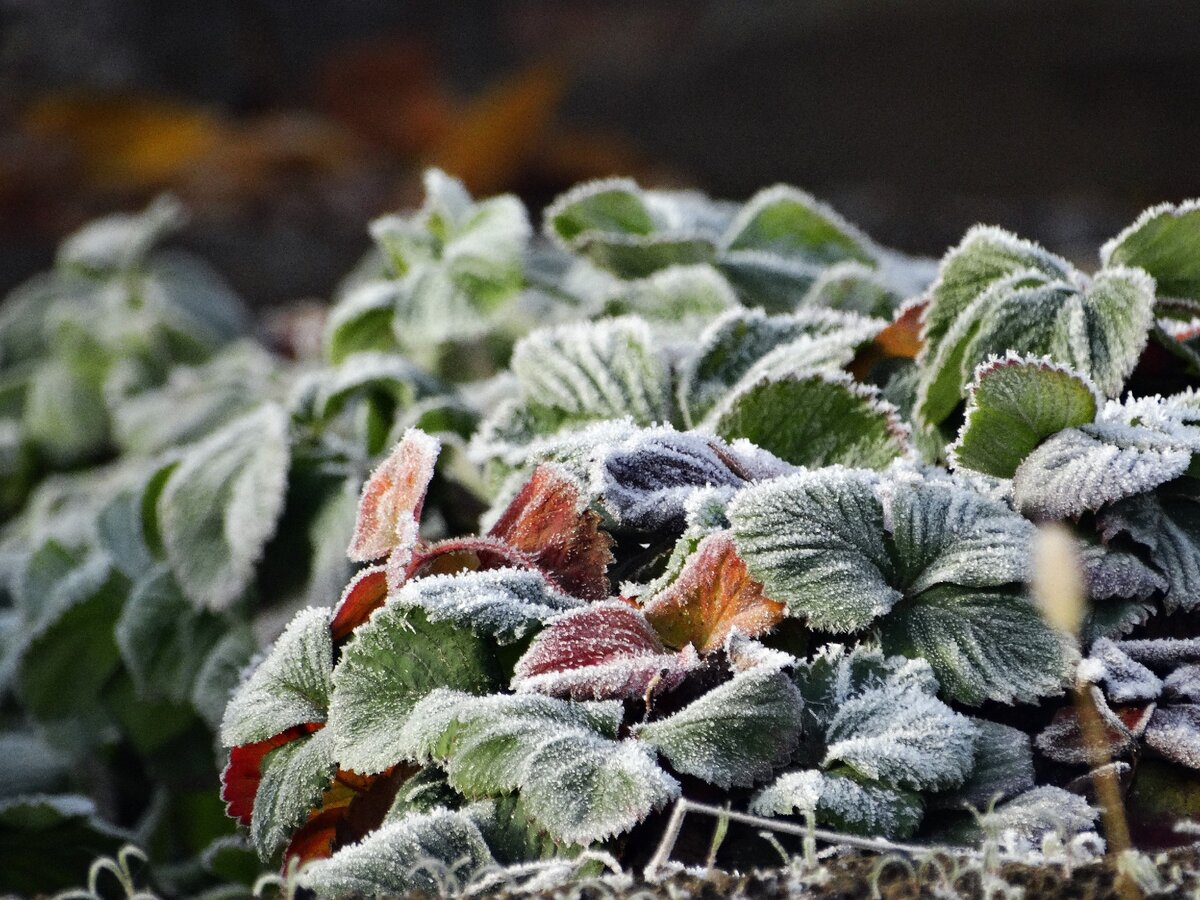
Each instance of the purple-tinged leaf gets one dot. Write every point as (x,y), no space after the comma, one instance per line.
(1174,732)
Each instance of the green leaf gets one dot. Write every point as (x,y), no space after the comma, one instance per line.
(904,738)
(613,207)
(731,348)
(735,734)
(221,505)
(854,287)
(361,321)
(68,657)
(983,644)
(1081,470)
(1169,527)
(814,419)
(1013,405)
(163,639)
(220,674)
(292,686)
(576,781)
(1163,242)
(593,371)
(844,801)
(65,417)
(679,297)
(293,778)
(1002,768)
(391,663)
(419,854)
(120,242)
(789,222)
(816,542)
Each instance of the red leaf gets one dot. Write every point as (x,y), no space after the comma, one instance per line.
(243,772)
(363,595)
(601,652)
(547,521)
(712,595)
(389,510)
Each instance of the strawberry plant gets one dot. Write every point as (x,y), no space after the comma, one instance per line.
(680,498)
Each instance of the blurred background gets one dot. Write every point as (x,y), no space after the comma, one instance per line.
(286,126)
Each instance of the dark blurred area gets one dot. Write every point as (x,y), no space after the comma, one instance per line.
(287,125)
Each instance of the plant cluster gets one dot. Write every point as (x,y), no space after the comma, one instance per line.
(756,502)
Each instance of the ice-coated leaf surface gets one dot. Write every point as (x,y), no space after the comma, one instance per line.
(854,287)
(1075,471)
(602,651)
(646,481)
(984,644)
(789,222)
(419,853)
(389,664)
(737,733)
(1063,740)
(713,595)
(365,593)
(596,370)
(1124,680)
(681,298)
(1174,732)
(120,242)
(1183,685)
(903,737)
(294,776)
(221,505)
(164,639)
(576,780)
(731,347)
(840,800)
(548,522)
(291,686)
(814,419)
(816,543)
(242,775)
(389,510)
(1013,404)
(1002,768)
(1169,527)
(503,604)
(1043,809)
(1163,242)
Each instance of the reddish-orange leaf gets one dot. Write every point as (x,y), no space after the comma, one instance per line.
(547,521)
(712,595)
(243,772)
(389,511)
(362,596)
(900,339)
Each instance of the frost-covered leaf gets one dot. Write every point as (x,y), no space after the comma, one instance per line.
(645,481)
(221,505)
(902,737)
(1014,404)
(816,542)
(841,800)
(596,370)
(681,298)
(1063,740)
(419,853)
(388,665)
(290,687)
(733,346)
(1124,680)
(945,535)
(1169,527)
(503,604)
(1163,242)
(578,782)
(242,775)
(854,287)
(1036,812)
(1076,471)
(220,673)
(814,419)
(602,651)
(1162,654)
(1174,732)
(547,522)
(365,593)
(121,242)
(789,222)
(735,734)
(389,510)
(294,776)
(1002,768)
(1183,685)
(164,639)
(194,401)
(1111,573)
(712,596)
(983,644)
